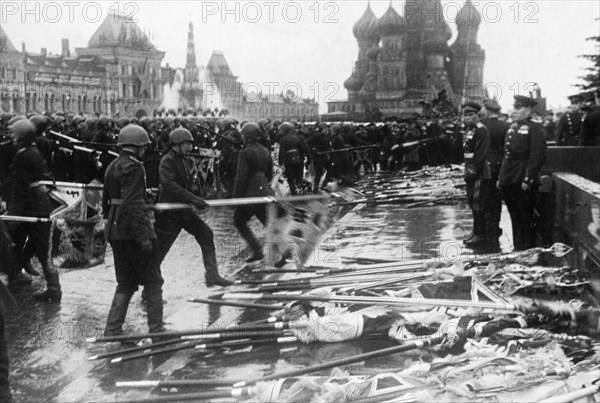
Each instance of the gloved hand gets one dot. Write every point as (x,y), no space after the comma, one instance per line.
(146,246)
(200,204)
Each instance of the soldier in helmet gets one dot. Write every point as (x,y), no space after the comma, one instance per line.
(292,152)
(179,184)
(519,178)
(318,143)
(30,198)
(42,142)
(130,233)
(231,142)
(254,174)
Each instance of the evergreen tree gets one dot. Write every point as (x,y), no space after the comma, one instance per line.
(592,79)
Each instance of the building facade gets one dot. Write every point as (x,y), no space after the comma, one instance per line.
(119,72)
(406,60)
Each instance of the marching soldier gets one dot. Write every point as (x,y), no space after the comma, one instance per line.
(319,142)
(30,198)
(178,185)
(130,233)
(231,142)
(524,155)
(493,206)
(477,171)
(292,151)
(254,174)
(569,125)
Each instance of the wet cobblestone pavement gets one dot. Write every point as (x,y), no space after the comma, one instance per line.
(47,345)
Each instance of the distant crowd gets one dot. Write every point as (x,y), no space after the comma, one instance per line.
(78,149)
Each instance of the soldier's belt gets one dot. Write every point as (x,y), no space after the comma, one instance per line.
(118,202)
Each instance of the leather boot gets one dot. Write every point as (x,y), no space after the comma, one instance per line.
(154,308)
(478,240)
(247,234)
(212,276)
(469,237)
(52,292)
(117,314)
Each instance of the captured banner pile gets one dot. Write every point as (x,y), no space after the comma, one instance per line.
(77,226)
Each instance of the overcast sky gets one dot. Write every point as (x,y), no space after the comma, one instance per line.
(311,43)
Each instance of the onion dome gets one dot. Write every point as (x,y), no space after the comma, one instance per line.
(391,23)
(366,27)
(352,84)
(373,53)
(468,15)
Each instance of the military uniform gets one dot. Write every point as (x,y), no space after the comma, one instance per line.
(319,143)
(477,176)
(178,185)
(590,129)
(30,198)
(230,148)
(128,227)
(292,151)
(254,174)
(493,205)
(569,129)
(524,155)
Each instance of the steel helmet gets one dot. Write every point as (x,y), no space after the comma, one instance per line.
(133,135)
(251,131)
(24,131)
(77,119)
(146,122)
(15,119)
(123,122)
(104,121)
(287,128)
(40,122)
(180,135)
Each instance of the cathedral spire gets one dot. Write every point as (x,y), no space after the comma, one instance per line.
(191,48)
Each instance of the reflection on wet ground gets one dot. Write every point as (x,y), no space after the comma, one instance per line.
(47,344)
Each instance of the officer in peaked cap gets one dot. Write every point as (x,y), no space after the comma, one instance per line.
(493,205)
(492,105)
(519,178)
(590,129)
(569,125)
(476,144)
